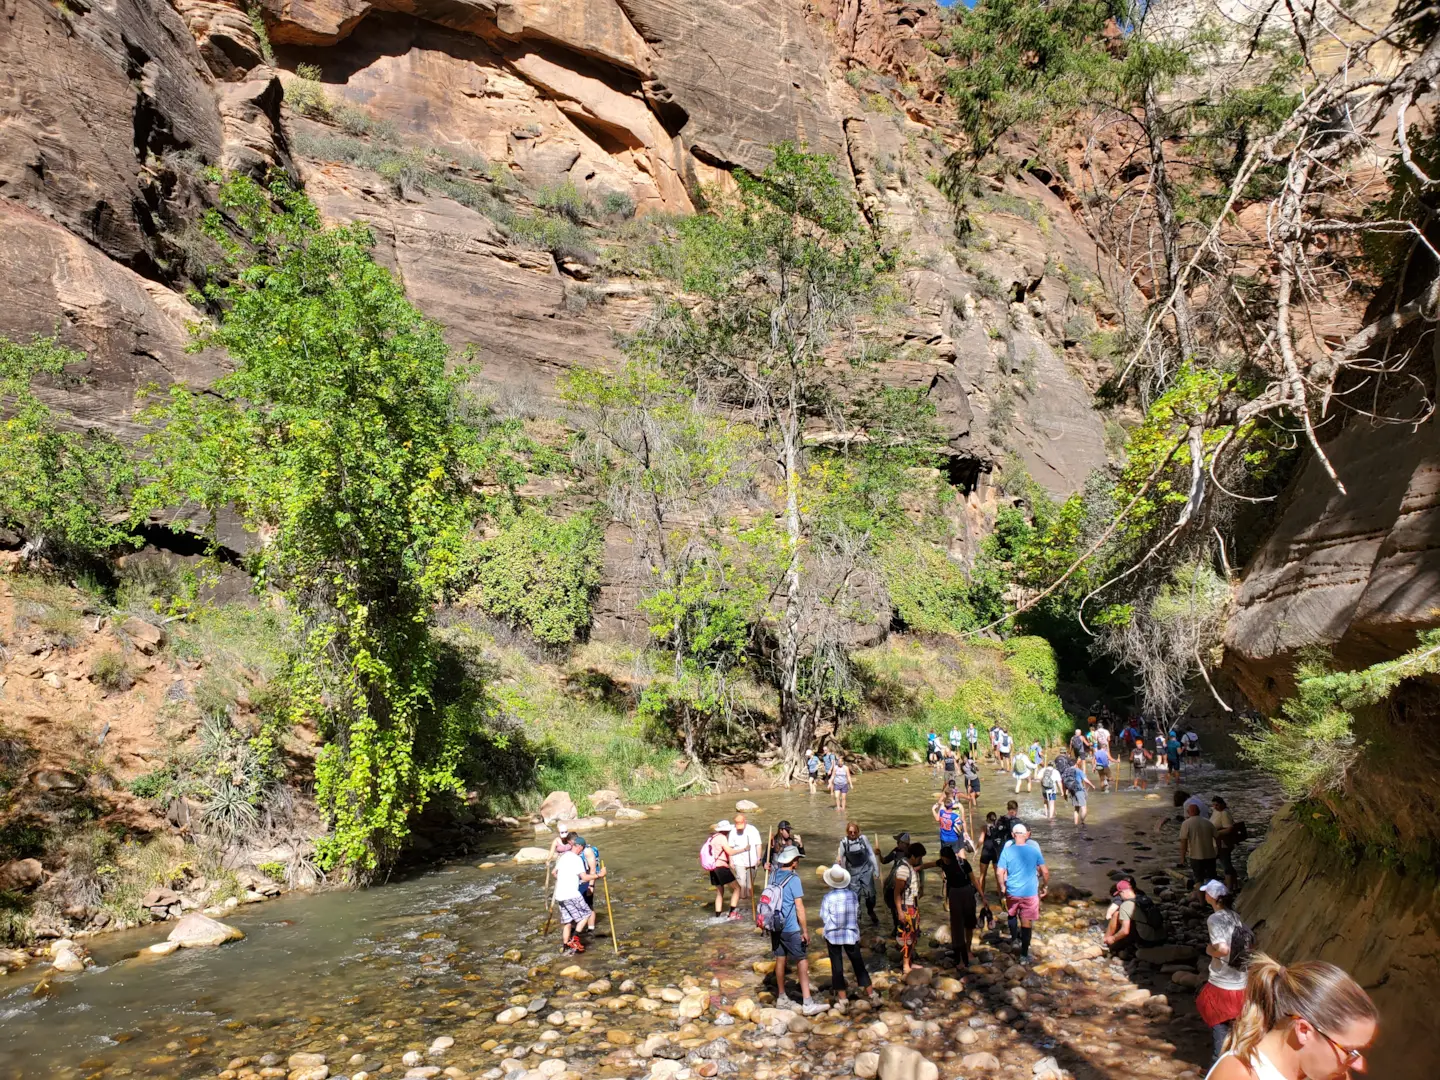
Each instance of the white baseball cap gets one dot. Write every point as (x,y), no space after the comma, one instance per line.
(1216,888)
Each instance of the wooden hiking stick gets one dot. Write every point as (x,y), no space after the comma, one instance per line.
(609,912)
(549,914)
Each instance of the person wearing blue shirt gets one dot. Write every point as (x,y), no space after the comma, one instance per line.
(812,770)
(1023,878)
(828,763)
(952,825)
(793,937)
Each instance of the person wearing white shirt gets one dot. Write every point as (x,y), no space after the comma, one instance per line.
(570,871)
(744,847)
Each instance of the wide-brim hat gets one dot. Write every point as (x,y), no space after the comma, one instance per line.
(788,855)
(721,826)
(837,877)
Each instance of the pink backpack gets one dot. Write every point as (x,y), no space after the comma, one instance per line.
(708,859)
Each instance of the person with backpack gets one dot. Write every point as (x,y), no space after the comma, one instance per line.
(1023,770)
(951,822)
(1075,782)
(812,770)
(960,901)
(1024,879)
(897,855)
(1138,757)
(1050,788)
(594,872)
(970,771)
(857,856)
(827,764)
(1102,766)
(570,874)
(997,835)
(1077,745)
(906,890)
(715,857)
(1136,922)
(784,837)
(840,915)
(1005,744)
(1231,943)
(782,912)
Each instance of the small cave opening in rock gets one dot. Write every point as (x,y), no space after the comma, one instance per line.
(963,472)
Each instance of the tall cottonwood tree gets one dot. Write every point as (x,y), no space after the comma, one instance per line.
(780,273)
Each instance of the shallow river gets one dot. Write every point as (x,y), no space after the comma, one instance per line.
(375,972)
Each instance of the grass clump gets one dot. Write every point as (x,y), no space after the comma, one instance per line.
(110,672)
(305,94)
(895,743)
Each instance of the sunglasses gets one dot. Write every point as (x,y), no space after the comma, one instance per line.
(1347,1054)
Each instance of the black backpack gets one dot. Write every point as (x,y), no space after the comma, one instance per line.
(1072,780)
(1242,945)
(1149,913)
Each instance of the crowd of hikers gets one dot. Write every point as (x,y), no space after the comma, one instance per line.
(1268,1021)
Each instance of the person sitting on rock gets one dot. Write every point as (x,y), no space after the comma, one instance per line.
(1134,922)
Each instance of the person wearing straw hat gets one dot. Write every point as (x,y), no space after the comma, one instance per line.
(717,850)
(840,915)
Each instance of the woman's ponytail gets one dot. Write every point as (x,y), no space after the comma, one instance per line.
(1321,993)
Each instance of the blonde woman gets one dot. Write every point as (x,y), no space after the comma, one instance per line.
(1305,1021)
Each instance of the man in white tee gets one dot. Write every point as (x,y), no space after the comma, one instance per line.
(744,847)
(570,871)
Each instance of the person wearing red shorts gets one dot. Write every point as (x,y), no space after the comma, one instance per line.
(1023,878)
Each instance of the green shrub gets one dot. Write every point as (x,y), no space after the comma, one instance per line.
(928,589)
(305,94)
(1034,657)
(275,871)
(563,199)
(539,573)
(893,743)
(110,672)
(153,785)
(618,204)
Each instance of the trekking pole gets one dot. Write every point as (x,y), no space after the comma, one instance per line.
(765,865)
(609,911)
(549,914)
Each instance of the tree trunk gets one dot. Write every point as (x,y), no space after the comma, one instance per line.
(1169,229)
(794,730)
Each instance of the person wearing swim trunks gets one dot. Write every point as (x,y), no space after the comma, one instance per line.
(1023,878)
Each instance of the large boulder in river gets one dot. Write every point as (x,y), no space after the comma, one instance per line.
(606,800)
(1062,892)
(558,806)
(532,855)
(580,825)
(196,930)
(745,806)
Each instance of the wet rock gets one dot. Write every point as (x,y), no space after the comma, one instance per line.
(67,959)
(422,1072)
(665,1070)
(1062,892)
(1188,979)
(673,994)
(694,1005)
(531,855)
(660,1045)
(904,1063)
(13,959)
(948,985)
(919,976)
(606,800)
(411,1058)
(981,1062)
(745,806)
(536,1005)
(866,1065)
(619,1037)
(196,930)
(21,875)
(309,1072)
(558,806)
(440,1045)
(626,813)
(1047,1068)
(305,1061)
(511,1015)
(745,1008)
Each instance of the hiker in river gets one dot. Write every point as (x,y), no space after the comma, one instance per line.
(950,766)
(1227,837)
(906,891)
(1223,995)
(1023,770)
(827,764)
(840,783)
(1302,1021)
(1190,745)
(955,739)
(1050,788)
(594,871)
(560,844)
(1138,758)
(995,742)
(1197,844)
(570,874)
(715,857)
(744,846)
(857,856)
(951,822)
(840,915)
(961,901)
(970,772)
(1103,766)
(789,935)
(812,770)
(1023,878)
(897,855)
(972,740)
(1006,745)
(1075,782)
(932,748)
(1134,923)
(784,837)
(1172,755)
(997,835)
(1077,745)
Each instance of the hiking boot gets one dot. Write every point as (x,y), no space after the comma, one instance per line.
(784,1001)
(568,951)
(734,915)
(576,944)
(811,1007)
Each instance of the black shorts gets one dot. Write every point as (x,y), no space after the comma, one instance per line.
(722,876)
(786,945)
(988,854)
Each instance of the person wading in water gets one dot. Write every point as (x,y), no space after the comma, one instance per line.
(1023,878)
(840,783)
(570,873)
(716,858)
(897,855)
(1304,1021)
(859,859)
(961,901)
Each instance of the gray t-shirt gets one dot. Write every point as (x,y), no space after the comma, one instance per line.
(1221,925)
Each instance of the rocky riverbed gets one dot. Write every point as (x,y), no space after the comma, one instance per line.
(447,974)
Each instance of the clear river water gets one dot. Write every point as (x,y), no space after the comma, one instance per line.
(371,973)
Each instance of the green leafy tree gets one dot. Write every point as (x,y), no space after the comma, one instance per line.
(66,491)
(340,438)
(782,271)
